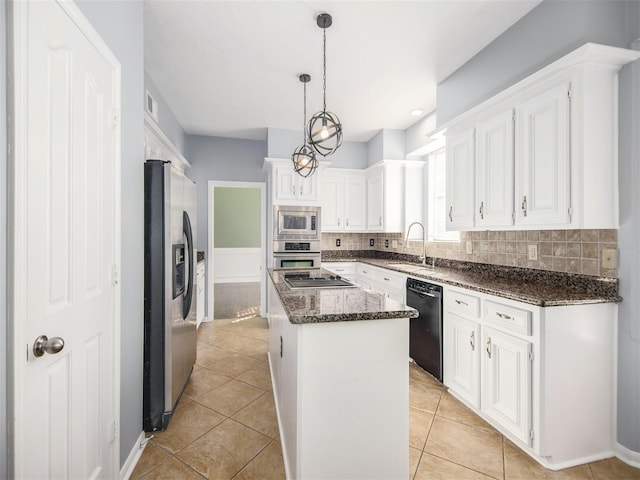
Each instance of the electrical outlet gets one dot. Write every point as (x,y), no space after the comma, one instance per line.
(394,244)
(469,247)
(609,258)
(386,243)
(337,242)
(533,252)
(371,242)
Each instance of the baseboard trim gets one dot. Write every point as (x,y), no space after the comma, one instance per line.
(626,455)
(132,459)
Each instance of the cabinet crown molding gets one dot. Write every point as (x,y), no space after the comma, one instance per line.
(158,146)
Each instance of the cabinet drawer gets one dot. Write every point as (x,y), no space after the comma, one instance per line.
(342,269)
(366,271)
(508,318)
(390,279)
(462,303)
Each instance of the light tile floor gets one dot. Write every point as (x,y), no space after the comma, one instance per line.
(225,425)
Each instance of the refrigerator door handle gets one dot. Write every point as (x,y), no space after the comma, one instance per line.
(186,229)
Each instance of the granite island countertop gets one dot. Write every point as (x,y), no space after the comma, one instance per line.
(335,304)
(535,287)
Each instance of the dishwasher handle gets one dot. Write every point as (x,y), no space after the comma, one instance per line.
(422,294)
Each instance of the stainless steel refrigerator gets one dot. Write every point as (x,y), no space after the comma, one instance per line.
(169,293)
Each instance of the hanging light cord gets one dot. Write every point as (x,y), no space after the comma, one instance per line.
(304,118)
(324,69)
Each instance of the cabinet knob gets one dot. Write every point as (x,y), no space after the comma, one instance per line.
(450,213)
(524,206)
(482,210)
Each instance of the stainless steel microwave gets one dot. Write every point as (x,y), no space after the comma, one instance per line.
(296,222)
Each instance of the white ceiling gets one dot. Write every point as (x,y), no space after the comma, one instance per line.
(230,68)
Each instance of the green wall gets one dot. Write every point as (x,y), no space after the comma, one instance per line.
(236,216)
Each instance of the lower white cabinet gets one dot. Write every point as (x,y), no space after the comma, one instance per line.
(462,346)
(200,289)
(506,386)
(542,376)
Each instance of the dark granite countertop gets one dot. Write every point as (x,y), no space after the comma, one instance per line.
(535,287)
(336,304)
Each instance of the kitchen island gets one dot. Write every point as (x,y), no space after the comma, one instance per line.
(339,366)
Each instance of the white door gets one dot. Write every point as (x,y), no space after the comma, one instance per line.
(494,171)
(461,357)
(460,180)
(506,394)
(65,235)
(543,194)
(355,203)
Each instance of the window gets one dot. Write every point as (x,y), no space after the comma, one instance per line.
(437,198)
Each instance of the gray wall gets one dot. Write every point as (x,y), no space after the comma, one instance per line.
(120,24)
(3,245)
(166,119)
(217,158)
(549,31)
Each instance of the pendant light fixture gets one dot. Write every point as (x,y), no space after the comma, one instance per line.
(324,128)
(304,158)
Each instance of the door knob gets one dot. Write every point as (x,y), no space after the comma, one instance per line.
(43,345)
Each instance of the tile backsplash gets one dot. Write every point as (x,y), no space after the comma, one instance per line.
(571,251)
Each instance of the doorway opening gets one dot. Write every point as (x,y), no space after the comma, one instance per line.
(236,250)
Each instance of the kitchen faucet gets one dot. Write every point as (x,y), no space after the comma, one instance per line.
(424,241)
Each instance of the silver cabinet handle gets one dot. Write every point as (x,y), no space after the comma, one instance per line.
(44,345)
(364,271)
(524,206)
(380,221)
(450,212)
(338,221)
(347,222)
(482,210)
(460,302)
(472,341)
(294,189)
(489,347)
(386,279)
(504,316)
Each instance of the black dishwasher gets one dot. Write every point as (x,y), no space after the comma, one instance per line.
(425,331)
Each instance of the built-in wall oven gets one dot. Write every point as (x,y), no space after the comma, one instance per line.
(296,237)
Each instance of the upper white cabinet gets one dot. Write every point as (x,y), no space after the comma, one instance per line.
(460,180)
(385,196)
(494,171)
(290,188)
(343,197)
(544,154)
(543,192)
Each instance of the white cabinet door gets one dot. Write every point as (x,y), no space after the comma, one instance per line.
(494,171)
(291,186)
(542,159)
(332,202)
(460,180)
(375,200)
(462,357)
(355,203)
(506,393)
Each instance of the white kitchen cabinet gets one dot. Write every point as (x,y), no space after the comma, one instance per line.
(494,171)
(565,162)
(543,375)
(542,190)
(343,197)
(460,180)
(462,357)
(290,188)
(346,270)
(506,386)
(414,197)
(385,196)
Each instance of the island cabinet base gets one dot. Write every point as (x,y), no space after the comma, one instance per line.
(342,396)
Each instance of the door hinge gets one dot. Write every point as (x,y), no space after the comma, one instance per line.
(116,118)
(531,435)
(115,275)
(114,431)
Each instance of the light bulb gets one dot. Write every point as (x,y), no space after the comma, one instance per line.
(324,133)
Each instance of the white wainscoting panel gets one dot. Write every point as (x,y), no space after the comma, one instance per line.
(235,265)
